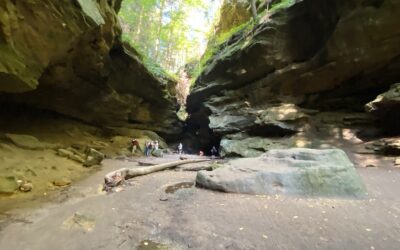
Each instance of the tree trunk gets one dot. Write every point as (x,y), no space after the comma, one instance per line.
(254,9)
(158,41)
(268,2)
(115,178)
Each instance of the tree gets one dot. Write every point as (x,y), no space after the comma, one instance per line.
(253,9)
(161,29)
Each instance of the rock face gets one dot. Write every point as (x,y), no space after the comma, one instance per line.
(316,54)
(233,13)
(68,57)
(247,146)
(387,108)
(305,172)
(29,142)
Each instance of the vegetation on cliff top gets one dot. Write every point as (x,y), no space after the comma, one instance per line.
(219,41)
(176,40)
(168,32)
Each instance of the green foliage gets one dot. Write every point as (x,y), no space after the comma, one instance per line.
(282,4)
(216,44)
(154,68)
(162,31)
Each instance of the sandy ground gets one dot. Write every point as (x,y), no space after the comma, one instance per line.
(144,216)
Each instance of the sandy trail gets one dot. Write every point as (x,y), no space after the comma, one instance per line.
(144,216)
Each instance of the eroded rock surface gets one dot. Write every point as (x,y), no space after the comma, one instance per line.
(313,56)
(305,172)
(386,107)
(29,142)
(247,146)
(69,58)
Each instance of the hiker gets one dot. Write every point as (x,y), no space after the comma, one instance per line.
(180,148)
(214,151)
(156,145)
(145,148)
(135,145)
(148,149)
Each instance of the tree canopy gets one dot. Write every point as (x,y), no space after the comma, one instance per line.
(169,32)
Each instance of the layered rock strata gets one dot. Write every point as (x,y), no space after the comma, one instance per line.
(68,57)
(312,56)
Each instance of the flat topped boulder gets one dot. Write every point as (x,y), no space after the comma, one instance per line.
(296,171)
(29,142)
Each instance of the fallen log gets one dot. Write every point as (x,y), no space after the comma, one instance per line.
(195,168)
(116,177)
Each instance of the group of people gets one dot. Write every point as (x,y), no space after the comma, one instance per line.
(149,146)
(213,151)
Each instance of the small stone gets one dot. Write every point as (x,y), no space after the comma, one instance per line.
(370,166)
(77,158)
(397,162)
(64,153)
(26,187)
(62,182)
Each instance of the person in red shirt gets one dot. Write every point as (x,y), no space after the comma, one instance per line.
(135,145)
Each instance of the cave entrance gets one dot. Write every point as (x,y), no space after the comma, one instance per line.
(198,136)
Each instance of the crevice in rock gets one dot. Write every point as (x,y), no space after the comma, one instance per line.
(270,131)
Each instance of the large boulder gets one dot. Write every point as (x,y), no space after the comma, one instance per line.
(93,157)
(386,107)
(157,153)
(302,172)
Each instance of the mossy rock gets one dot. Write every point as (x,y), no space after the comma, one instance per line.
(8,184)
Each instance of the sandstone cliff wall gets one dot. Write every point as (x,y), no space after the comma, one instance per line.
(317,54)
(67,56)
